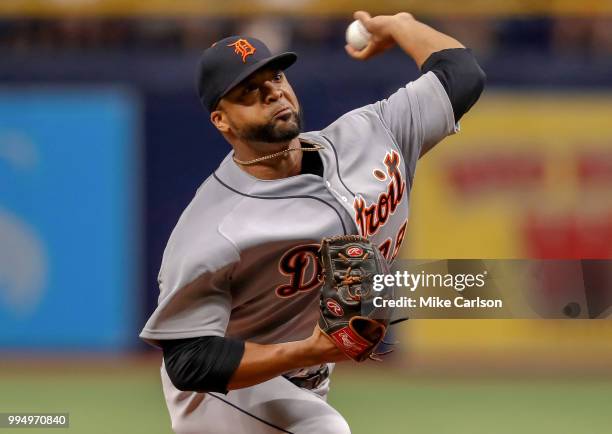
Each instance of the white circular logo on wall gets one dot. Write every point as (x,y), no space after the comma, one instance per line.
(17,149)
(23,265)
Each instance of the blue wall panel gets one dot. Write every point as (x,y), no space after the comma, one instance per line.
(68,205)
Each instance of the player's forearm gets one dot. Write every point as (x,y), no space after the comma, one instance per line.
(419,40)
(219,364)
(263,362)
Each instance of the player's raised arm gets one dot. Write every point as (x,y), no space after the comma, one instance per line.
(454,66)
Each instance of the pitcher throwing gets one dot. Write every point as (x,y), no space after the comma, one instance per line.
(239,281)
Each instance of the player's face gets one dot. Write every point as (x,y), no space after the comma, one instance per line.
(263,108)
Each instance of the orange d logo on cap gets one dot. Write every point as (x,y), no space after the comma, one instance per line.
(243,48)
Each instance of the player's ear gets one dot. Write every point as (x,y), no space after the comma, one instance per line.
(219,120)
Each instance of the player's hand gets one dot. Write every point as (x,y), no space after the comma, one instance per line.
(323,349)
(381,28)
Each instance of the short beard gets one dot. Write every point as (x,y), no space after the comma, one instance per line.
(272,132)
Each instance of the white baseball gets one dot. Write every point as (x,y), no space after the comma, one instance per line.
(357,36)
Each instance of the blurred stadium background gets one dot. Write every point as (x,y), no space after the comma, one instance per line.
(103,143)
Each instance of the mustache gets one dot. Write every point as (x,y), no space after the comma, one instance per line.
(275,132)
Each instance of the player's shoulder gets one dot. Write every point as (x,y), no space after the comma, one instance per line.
(362,124)
(357,117)
(372,121)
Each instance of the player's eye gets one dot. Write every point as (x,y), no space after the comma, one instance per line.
(278,76)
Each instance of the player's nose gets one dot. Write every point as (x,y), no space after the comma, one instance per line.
(272,92)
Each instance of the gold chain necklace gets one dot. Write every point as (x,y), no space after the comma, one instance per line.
(315,148)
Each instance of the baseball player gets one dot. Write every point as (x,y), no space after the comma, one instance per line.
(239,276)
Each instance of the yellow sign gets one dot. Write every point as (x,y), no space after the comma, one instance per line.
(529,176)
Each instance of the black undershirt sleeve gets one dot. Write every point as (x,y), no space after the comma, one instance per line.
(461,76)
(204,364)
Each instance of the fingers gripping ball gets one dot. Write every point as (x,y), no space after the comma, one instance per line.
(357,36)
(348,315)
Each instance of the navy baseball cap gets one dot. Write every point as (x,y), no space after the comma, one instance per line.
(229,61)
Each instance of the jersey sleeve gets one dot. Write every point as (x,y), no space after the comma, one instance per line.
(194,280)
(418,116)
(199,308)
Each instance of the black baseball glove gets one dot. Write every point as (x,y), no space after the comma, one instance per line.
(348,316)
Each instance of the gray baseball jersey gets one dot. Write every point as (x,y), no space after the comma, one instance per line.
(241,262)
